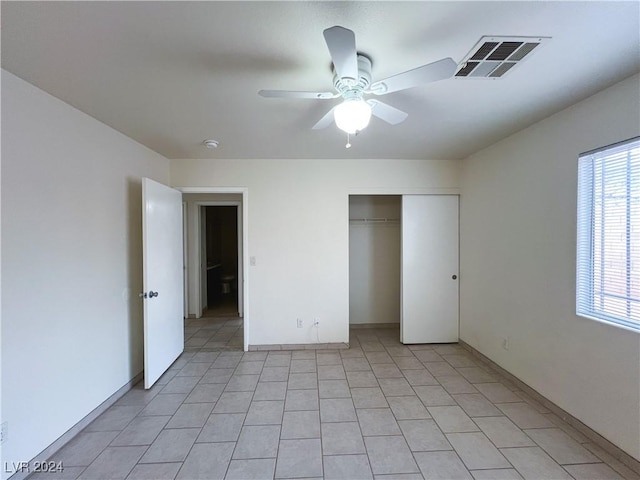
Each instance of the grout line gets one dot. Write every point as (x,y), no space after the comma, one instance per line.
(387,346)
(595,437)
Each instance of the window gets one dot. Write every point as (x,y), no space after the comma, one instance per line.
(608,251)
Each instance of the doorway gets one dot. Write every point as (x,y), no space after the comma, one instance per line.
(198,200)
(219,257)
(403,265)
(374,260)
(205,272)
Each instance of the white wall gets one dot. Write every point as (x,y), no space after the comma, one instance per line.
(71,264)
(374,259)
(298,227)
(518,236)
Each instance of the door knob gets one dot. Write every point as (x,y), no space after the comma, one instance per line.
(452,276)
(153,294)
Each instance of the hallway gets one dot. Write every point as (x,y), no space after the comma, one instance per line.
(214,331)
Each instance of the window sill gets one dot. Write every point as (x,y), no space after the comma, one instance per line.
(610,323)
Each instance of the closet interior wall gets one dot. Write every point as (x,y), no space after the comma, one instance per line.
(374,259)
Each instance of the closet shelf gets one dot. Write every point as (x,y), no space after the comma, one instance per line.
(363,221)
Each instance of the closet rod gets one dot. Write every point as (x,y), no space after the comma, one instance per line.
(374,220)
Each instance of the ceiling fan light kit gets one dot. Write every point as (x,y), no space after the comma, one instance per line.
(352,115)
(352,81)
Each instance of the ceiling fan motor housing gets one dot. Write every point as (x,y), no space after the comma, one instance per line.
(350,88)
(352,81)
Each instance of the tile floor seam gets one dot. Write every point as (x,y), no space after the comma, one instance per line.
(375,344)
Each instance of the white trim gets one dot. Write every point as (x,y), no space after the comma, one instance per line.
(84,422)
(200,244)
(244,191)
(185,260)
(608,147)
(611,323)
(241,190)
(591,434)
(403,191)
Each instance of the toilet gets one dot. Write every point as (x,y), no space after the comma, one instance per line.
(226,281)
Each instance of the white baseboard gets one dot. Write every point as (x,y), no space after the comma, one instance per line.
(78,427)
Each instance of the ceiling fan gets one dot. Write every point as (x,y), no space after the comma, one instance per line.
(352,81)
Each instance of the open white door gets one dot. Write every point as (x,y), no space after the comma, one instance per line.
(162,254)
(429,269)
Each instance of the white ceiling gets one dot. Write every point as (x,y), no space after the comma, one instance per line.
(172,74)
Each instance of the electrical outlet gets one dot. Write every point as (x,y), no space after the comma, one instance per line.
(299,323)
(4,431)
(505,343)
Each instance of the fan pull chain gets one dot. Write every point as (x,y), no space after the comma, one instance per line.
(348,145)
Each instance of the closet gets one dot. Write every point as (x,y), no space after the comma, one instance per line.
(403,264)
(374,259)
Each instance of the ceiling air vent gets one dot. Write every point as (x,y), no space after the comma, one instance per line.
(493,57)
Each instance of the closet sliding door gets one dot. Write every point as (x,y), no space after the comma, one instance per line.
(429,269)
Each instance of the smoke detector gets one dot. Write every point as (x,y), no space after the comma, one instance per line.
(211,143)
(493,57)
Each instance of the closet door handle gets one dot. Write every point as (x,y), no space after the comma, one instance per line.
(454,277)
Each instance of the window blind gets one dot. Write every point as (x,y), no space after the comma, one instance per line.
(608,228)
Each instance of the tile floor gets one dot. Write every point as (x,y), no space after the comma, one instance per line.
(376,410)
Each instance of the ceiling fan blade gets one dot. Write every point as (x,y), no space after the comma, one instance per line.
(291,94)
(431,72)
(342,47)
(386,112)
(325,121)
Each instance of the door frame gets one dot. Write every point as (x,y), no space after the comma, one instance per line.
(243,289)
(199,236)
(400,192)
(185,261)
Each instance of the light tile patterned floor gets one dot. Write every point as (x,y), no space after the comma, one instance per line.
(376,410)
